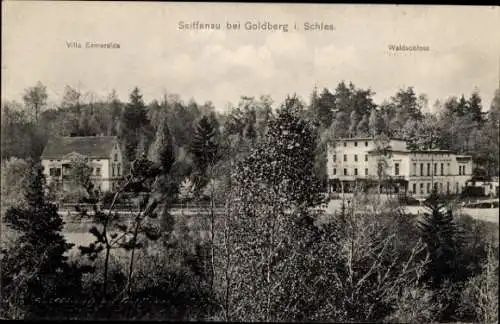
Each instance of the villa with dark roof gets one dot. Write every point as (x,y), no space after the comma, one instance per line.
(102,153)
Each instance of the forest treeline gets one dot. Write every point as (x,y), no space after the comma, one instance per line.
(459,123)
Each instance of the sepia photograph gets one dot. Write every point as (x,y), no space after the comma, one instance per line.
(249,162)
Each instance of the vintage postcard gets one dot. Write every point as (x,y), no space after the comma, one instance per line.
(249,162)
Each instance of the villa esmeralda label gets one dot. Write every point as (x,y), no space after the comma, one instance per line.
(92,45)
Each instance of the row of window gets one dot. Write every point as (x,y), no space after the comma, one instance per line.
(347,173)
(345,158)
(426,187)
(56,172)
(355,144)
(396,170)
(461,169)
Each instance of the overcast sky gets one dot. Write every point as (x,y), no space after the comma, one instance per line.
(222,65)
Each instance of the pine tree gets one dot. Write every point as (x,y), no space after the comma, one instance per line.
(474,108)
(37,272)
(205,149)
(322,107)
(135,122)
(443,239)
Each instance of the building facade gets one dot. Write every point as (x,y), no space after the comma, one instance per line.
(102,153)
(357,163)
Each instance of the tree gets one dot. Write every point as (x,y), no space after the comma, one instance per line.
(71,98)
(353,124)
(363,126)
(161,150)
(135,124)
(141,182)
(36,272)
(35,98)
(205,148)
(339,124)
(474,108)
(374,123)
(443,239)
(274,185)
(427,133)
(322,107)
(406,101)
(81,173)
(480,295)
(14,173)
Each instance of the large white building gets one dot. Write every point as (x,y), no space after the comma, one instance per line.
(102,153)
(355,163)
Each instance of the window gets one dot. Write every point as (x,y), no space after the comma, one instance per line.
(334,171)
(356,171)
(345,157)
(428,187)
(345,171)
(335,158)
(421,169)
(448,187)
(366,143)
(459,170)
(355,158)
(113,170)
(98,171)
(396,168)
(442,168)
(428,169)
(55,172)
(435,168)
(414,171)
(356,144)
(440,187)
(414,188)
(421,188)
(118,170)
(448,169)
(116,157)
(366,157)
(345,144)
(463,170)
(366,172)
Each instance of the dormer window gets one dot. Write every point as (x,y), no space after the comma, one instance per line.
(116,157)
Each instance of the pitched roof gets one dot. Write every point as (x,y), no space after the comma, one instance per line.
(91,146)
